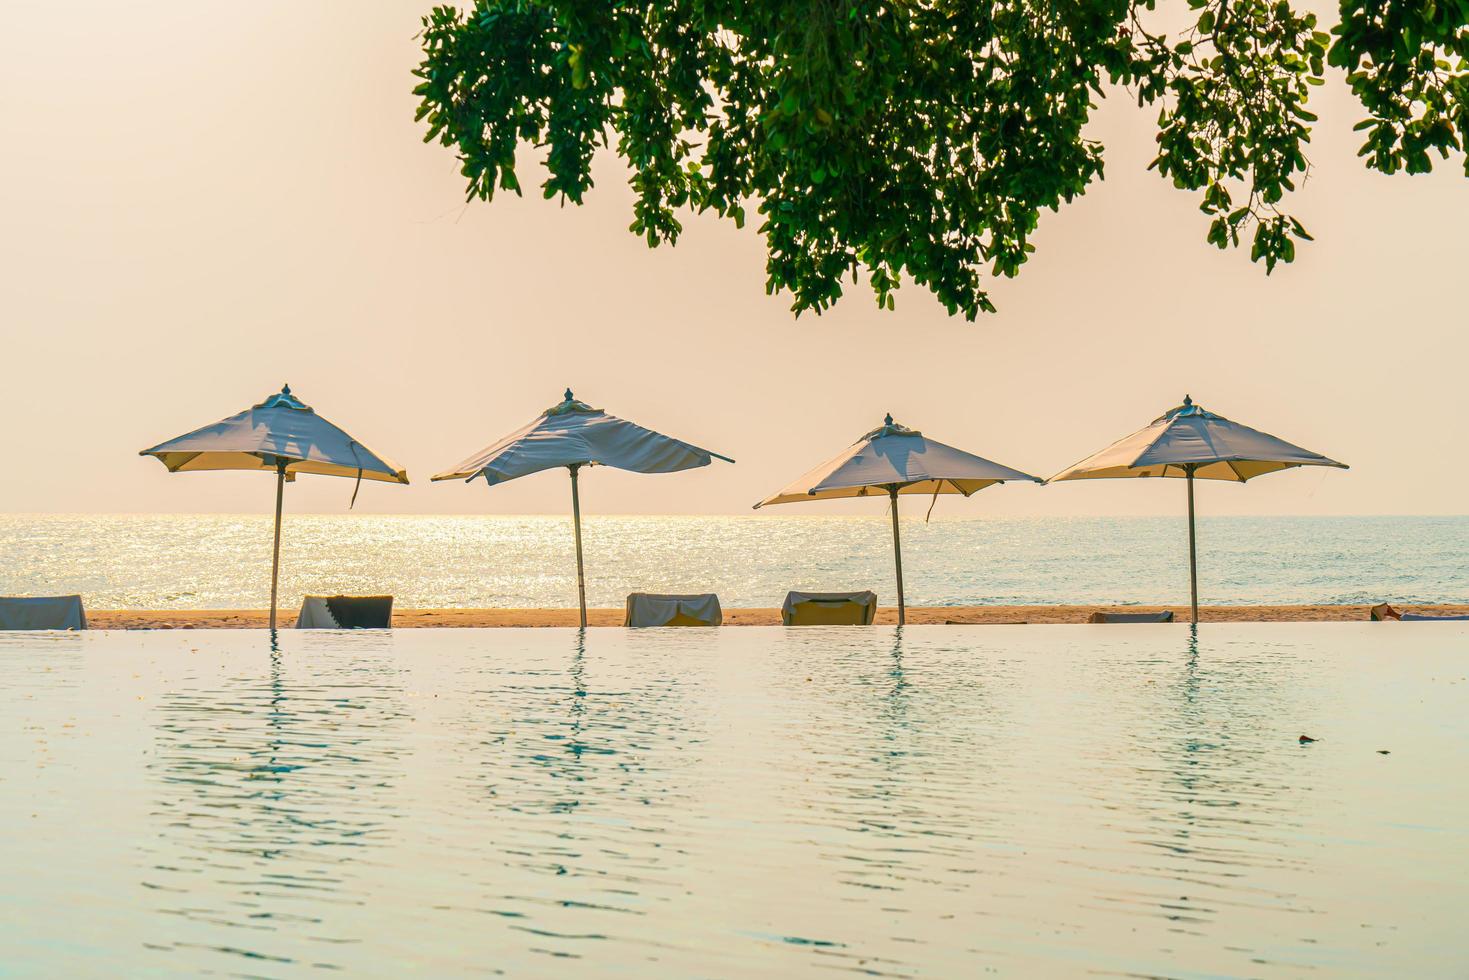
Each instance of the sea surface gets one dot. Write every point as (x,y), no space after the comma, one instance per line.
(223,561)
(926,801)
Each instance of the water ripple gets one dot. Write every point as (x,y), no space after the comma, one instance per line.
(915,802)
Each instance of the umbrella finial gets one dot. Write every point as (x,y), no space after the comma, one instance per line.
(1187,410)
(890,428)
(569,405)
(284,399)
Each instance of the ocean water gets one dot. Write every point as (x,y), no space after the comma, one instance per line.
(932,801)
(223,561)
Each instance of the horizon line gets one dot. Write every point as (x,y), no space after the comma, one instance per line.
(762,515)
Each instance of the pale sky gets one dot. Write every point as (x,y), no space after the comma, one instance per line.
(202,201)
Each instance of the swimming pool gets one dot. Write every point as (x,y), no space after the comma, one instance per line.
(939,801)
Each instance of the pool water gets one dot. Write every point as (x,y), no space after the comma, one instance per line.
(931,801)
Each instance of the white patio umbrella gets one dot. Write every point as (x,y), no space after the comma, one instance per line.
(573,434)
(1190,442)
(282,434)
(895,459)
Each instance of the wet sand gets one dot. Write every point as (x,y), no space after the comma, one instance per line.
(410,618)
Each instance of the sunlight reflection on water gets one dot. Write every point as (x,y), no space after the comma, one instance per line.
(736,802)
(223,561)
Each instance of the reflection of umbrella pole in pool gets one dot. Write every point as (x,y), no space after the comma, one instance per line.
(573,434)
(578,693)
(897,459)
(900,683)
(1190,442)
(283,434)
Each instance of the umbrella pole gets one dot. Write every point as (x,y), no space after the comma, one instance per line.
(898,557)
(581,581)
(275,558)
(1193,553)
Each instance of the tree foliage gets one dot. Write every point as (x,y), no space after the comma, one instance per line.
(922,138)
(1409,65)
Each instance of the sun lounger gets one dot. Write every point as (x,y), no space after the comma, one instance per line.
(345,612)
(1383,613)
(58,612)
(829,608)
(647,609)
(1111,617)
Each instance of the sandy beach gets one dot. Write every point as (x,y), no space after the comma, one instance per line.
(887,615)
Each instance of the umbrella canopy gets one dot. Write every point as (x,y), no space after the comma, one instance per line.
(894,459)
(573,434)
(1193,443)
(283,435)
(895,456)
(281,428)
(1190,440)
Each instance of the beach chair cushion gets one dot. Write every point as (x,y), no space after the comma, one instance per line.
(649,609)
(1114,617)
(56,612)
(345,612)
(829,608)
